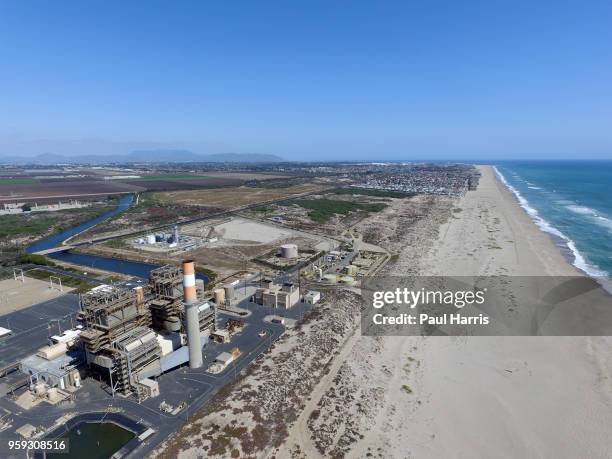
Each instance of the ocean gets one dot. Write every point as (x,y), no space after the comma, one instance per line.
(572,201)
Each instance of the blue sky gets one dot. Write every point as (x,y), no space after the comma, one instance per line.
(309,80)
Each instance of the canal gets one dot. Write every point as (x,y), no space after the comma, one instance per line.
(131,268)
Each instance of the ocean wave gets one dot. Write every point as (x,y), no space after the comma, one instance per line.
(534,187)
(581,210)
(579,261)
(594,215)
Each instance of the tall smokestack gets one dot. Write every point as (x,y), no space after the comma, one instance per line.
(192,318)
(189,289)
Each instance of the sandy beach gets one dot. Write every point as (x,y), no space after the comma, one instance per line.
(507,396)
(471,397)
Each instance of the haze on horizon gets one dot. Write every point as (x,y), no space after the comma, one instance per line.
(315,80)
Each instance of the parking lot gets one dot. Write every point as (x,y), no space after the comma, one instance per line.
(31,327)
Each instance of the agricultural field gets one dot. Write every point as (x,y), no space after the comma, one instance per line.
(54,189)
(181,182)
(17,181)
(233,197)
(89,182)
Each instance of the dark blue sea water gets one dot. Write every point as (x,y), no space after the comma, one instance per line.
(572,201)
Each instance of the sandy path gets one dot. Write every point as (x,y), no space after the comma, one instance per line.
(299,433)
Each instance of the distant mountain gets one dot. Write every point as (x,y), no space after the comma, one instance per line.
(143,156)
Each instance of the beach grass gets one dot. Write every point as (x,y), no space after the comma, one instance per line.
(321,210)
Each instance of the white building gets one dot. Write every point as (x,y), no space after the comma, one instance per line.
(312,297)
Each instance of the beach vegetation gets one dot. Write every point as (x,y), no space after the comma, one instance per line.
(373,192)
(321,210)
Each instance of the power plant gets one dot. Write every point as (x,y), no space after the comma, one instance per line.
(131,334)
(169,242)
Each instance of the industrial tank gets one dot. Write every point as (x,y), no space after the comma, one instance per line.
(348,280)
(53,351)
(289,251)
(229,292)
(219,296)
(330,278)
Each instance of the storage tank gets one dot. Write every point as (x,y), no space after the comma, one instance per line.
(172,323)
(289,251)
(330,278)
(52,352)
(229,292)
(150,238)
(219,296)
(348,280)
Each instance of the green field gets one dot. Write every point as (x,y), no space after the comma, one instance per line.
(372,192)
(17,181)
(21,225)
(321,210)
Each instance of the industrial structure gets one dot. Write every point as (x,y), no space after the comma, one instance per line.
(167,242)
(192,309)
(289,251)
(129,334)
(277,296)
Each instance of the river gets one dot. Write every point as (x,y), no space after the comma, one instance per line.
(132,268)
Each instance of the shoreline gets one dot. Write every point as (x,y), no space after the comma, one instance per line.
(514,407)
(566,245)
(491,234)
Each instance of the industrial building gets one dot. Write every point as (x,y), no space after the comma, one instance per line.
(277,296)
(312,297)
(129,335)
(167,242)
